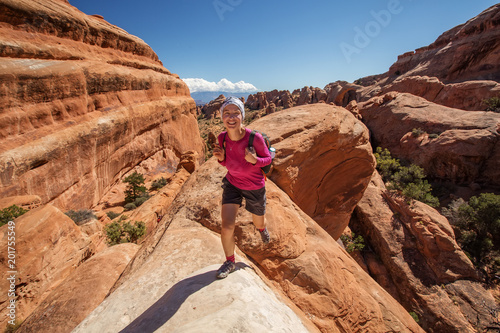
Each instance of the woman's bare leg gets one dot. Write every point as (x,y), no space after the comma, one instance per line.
(228,214)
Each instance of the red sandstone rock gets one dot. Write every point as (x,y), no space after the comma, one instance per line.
(257,101)
(469,51)
(271,108)
(468,95)
(24,201)
(212,108)
(306,96)
(457,145)
(324,161)
(278,98)
(428,272)
(114,104)
(71,301)
(189,161)
(49,247)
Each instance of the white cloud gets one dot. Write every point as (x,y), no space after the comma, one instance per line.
(199,85)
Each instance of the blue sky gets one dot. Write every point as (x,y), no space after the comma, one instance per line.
(283,44)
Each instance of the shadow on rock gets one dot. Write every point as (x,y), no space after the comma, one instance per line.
(167,306)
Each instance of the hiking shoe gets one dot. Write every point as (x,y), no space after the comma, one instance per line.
(265,236)
(227,267)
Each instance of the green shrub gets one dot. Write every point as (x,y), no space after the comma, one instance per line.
(140,200)
(158,183)
(414,316)
(433,136)
(123,231)
(134,232)
(135,187)
(112,215)
(410,181)
(10,213)
(416,132)
(13,328)
(492,104)
(477,229)
(130,206)
(386,165)
(353,243)
(81,216)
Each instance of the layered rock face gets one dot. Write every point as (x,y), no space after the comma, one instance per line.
(452,144)
(323,162)
(469,51)
(49,246)
(424,268)
(82,102)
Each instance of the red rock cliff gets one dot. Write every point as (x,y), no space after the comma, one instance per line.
(81,103)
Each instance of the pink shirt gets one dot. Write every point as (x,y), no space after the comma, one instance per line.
(242,174)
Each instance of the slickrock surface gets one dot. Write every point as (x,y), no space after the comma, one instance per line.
(81,292)
(49,247)
(424,268)
(457,145)
(168,293)
(324,160)
(81,103)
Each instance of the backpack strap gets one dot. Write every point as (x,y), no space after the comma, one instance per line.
(224,140)
(250,140)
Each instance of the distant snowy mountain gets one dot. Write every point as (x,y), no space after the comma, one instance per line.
(203,97)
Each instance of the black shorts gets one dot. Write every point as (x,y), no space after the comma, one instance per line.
(255,200)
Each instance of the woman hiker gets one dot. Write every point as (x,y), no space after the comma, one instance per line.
(244,178)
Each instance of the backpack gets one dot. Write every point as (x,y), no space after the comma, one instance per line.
(272,151)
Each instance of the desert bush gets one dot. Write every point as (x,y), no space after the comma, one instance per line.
(130,206)
(135,187)
(140,200)
(112,215)
(10,213)
(81,216)
(477,228)
(123,231)
(158,183)
(416,132)
(386,165)
(409,180)
(353,243)
(13,327)
(492,104)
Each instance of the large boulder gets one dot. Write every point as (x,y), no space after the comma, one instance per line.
(82,103)
(324,160)
(450,144)
(424,268)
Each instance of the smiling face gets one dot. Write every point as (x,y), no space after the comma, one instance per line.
(231,117)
